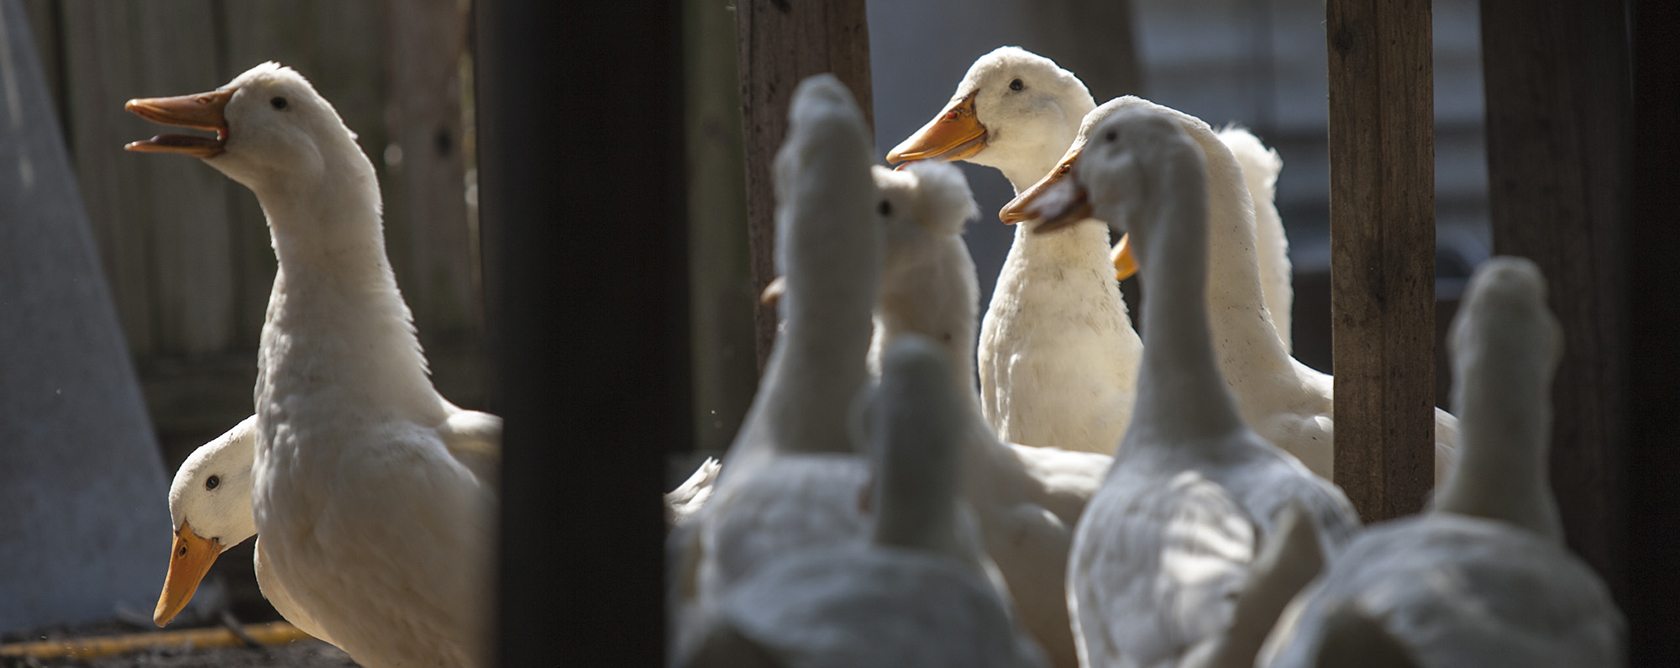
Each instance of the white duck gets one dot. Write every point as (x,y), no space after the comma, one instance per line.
(912,596)
(377,533)
(1482,579)
(1164,551)
(1286,402)
(794,479)
(210,502)
(1027,500)
(1057,355)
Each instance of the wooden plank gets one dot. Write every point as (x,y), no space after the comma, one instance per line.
(1557,165)
(720,286)
(161,222)
(426,188)
(1382,235)
(1651,504)
(46,25)
(780,43)
(581,181)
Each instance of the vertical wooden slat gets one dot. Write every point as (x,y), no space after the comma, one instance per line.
(579,107)
(1558,151)
(1651,504)
(160,221)
(1382,236)
(426,187)
(720,291)
(780,43)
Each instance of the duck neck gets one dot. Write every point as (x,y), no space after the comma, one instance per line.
(938,299)
(815,373)
(1252,357)
(336,319)
(1181,393)
(920,432)
(1505,417)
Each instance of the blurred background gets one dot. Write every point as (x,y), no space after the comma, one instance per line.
(186,256)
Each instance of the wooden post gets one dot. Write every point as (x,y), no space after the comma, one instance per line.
(1650,504)
(1382,240)
(581,147)
(780,43)
(1558,158)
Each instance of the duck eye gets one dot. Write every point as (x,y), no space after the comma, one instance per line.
(885,208)
(1111,136)
(1064,168)
(278,103)
(213,482)
(1016,85)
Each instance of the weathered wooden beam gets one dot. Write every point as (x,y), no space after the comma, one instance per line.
(1651,502)
(581,147)
(1382,240)
(1558,158)
(780,43)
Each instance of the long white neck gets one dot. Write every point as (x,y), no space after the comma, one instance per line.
(1250,353)
(1182,395)
(337,323)
(814,375)
(938,299)
(1504,404)
(920,430)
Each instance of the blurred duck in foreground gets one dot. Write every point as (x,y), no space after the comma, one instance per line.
(1482,578)
(1286,402)
(908,596)
(1162,565)
(371,492)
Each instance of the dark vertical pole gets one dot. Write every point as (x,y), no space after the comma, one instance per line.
(1652,504)
(1382,244)
(1556,78)
(780,43)
(580,133)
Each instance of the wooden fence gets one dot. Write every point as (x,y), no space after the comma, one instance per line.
(186,250)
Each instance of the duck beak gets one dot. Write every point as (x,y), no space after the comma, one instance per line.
(1125,264)
(773,292)
(199,112)
(1057,200)
(955,134)
(188,563)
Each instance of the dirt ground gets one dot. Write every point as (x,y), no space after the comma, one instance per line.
(303,654)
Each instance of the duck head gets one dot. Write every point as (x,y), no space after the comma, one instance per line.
(1014,110)
(1061,198)
(922,203)
(210,503)
(268,122)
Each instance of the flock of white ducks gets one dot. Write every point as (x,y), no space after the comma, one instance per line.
(1096,499)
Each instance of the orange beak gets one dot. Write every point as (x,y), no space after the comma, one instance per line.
(188,563)
(199,112)
(1125,264)
(773,292)
(1057,200)
(955,134)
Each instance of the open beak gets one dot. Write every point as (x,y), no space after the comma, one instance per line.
(773,292)
(199,112)
(1125,264)
(955,134)
(1057,200)
(188,563)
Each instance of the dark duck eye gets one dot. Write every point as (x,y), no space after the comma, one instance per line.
(279,102)
(1016,85)
(885,208)
(213,482)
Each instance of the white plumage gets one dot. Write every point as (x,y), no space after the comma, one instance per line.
(1164,550)
(1482,579)
(380,536)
